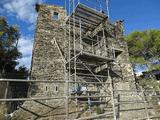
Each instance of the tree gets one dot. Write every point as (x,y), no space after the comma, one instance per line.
(9,53)
(144,48)
(9,36)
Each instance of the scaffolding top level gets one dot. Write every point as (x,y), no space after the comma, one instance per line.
(88,17)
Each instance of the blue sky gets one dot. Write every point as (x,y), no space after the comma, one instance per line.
(138,15)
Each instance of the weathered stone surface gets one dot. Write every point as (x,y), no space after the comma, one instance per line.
(48,64)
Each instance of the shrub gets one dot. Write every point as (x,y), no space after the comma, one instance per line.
(86,107)
(99,110)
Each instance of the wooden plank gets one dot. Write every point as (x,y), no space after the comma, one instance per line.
(90,39)
(98,96)
(47,98)
(95,116)
(136,91)
(131,102)
(88,16)
(29,99)
(45,81)
(151,117)
(82,74)
(86,82)
(77,19)
(82,16)
(96,57)
(24,80)
(91,11)
(86,20)
(90,64)
(83,23)
(83,26)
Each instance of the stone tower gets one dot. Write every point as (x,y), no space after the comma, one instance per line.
(47,63)
(50,57)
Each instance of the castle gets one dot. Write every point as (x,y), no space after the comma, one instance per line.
(84,59)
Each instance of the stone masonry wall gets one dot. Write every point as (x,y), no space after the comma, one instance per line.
(47,64)
(122,63)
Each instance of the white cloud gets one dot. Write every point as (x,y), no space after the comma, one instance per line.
(22,9)
(25,46)
(26,61)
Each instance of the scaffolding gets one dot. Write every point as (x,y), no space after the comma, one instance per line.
(87,61)
(114,94)
(87,51)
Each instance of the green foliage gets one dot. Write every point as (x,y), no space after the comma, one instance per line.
(149,84)
(9,53)
(9,36)
(138,60)
(99,110)
(144,47)
(157,67)
(86,107)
